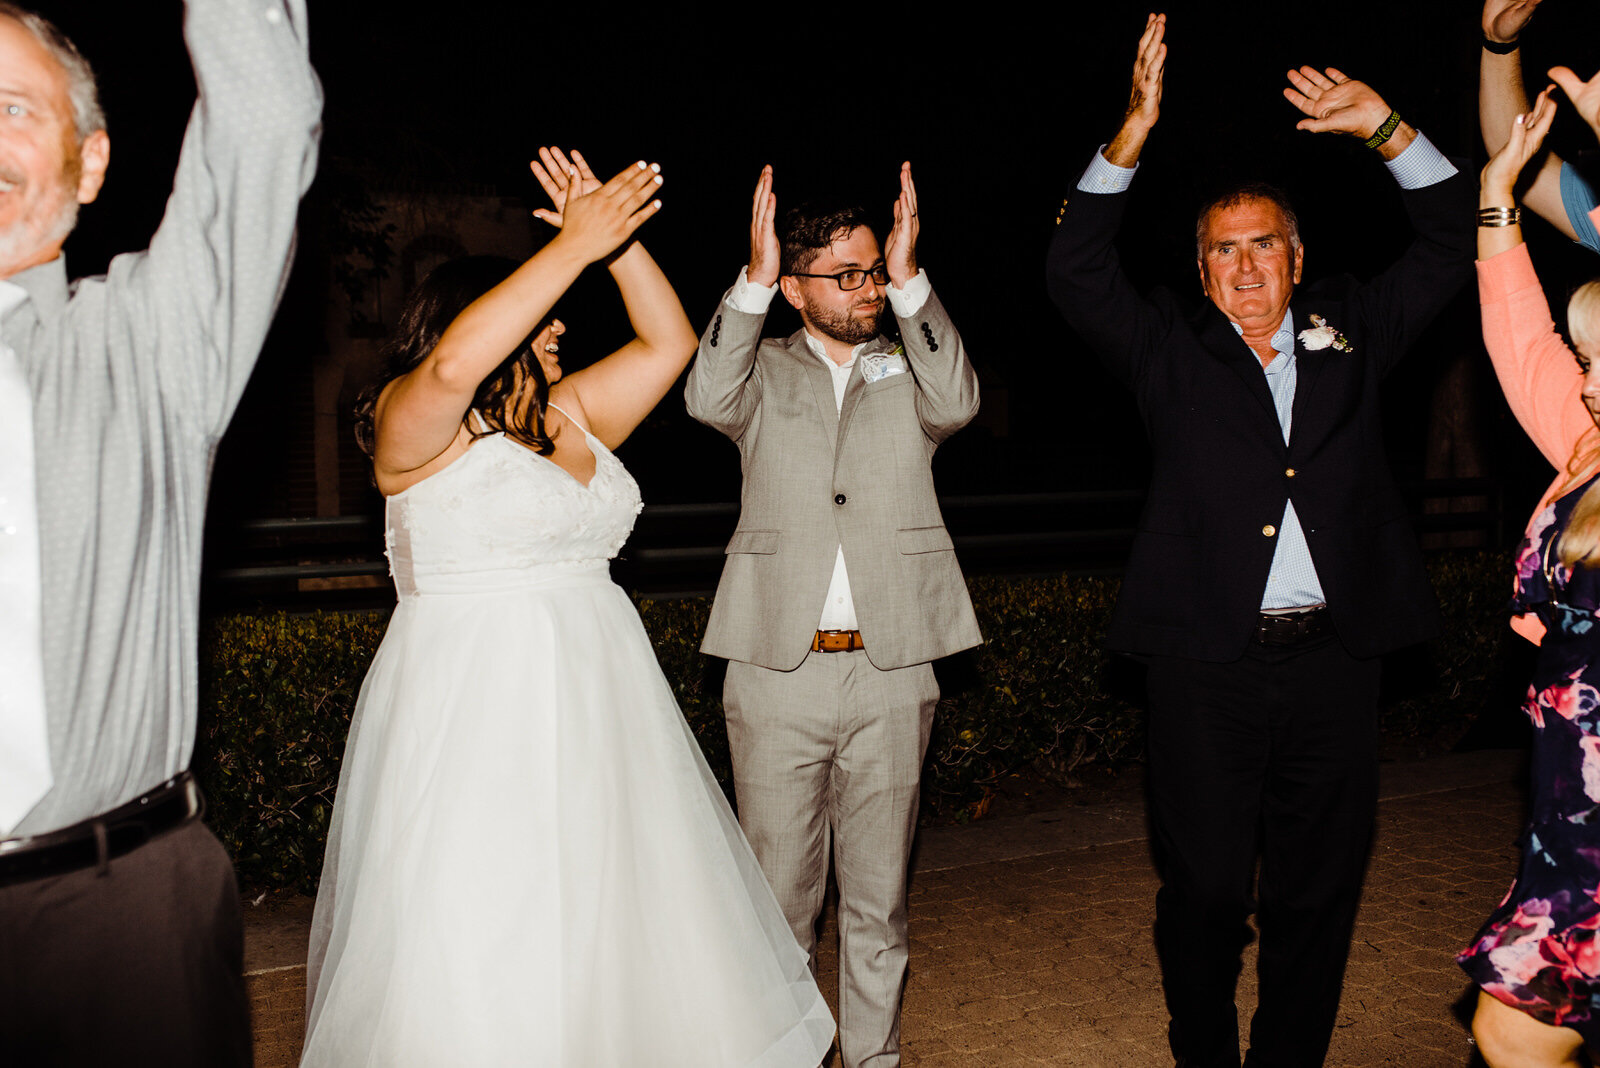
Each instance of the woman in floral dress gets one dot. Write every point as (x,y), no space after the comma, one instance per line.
(1537,958)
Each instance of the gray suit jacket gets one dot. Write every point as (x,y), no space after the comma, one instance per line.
(817,478)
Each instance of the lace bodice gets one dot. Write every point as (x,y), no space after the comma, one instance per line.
(502,516)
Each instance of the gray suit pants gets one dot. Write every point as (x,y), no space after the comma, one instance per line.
(833,749)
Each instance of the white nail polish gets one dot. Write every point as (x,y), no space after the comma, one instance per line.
(656,167)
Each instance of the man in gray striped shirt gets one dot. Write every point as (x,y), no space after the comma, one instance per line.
(119,921)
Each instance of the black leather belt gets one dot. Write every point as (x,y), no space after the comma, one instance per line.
(1292,628)
(100,838)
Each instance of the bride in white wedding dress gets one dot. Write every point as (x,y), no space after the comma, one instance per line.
(529,861)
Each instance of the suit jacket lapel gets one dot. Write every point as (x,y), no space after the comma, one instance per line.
(853,388)
(821,384)
(1223,342)
(1308,368)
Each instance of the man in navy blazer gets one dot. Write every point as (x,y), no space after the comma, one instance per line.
(1274,562)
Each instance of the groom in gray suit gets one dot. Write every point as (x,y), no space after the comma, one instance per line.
(841,585)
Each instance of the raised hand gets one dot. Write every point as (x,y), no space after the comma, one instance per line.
(1585,95)
(1504,20)
(764,252)
(552,170)
(1144,98)
(1335,102)
(900,250)
(595,223)
(1500,174)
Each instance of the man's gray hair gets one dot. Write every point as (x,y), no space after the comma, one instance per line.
(1238,195)
(87,115)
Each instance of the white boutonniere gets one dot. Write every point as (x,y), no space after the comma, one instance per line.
(883,364)
(1323,336)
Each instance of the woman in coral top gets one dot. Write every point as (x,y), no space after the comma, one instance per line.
(1537,959)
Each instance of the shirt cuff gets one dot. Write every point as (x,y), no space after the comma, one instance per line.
(747,297)
(1420,165)
(1103,176)
(908,301)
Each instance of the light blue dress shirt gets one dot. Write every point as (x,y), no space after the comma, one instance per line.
(1292,582)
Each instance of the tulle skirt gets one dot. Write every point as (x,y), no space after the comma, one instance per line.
(530,863)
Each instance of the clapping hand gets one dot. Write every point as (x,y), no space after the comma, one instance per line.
(1585,95)
(1504,20)
(596,220)
(554,173)
(1499,175)
(900,250)
(764,251)
(1144,98)
(1335,102)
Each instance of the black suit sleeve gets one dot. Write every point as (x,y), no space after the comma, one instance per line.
(1400,303)
(1084,276)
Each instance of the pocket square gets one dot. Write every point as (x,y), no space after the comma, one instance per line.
(882,365)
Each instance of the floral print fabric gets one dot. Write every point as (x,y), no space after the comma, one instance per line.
(1539,952)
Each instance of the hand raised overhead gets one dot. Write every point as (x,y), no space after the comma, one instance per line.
(594,223)
(1585,95)
(1335,102)
(765,255)
(552,169)
(1144,98)
(1499,175)
(1504,20)
(900,250)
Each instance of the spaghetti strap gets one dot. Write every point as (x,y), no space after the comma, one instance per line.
(483,426)
(571,420)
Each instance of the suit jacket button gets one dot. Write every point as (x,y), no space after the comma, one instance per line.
(839,498)
(1289,473)
(1269,530)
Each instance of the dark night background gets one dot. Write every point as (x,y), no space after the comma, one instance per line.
(997,111)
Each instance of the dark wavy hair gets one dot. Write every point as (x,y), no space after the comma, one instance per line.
(434,305)
(808,229)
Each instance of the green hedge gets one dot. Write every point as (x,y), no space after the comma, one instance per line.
(277,692)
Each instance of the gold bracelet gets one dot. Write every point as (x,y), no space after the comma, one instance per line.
(1491,217)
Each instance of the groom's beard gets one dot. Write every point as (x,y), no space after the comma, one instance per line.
(858,324)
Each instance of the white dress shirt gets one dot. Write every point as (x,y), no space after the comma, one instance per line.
(24,734)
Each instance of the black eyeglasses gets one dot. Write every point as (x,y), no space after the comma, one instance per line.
(853,279)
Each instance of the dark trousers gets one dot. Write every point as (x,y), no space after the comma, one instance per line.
(1271,756)
(139,962)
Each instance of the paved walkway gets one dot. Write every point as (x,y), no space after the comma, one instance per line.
(1030,936)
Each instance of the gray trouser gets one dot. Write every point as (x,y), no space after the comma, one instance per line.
(834,748)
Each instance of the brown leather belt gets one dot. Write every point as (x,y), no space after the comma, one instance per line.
(100,838)
(837,641)
(1292,628)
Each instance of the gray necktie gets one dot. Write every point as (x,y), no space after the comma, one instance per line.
(24,734)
